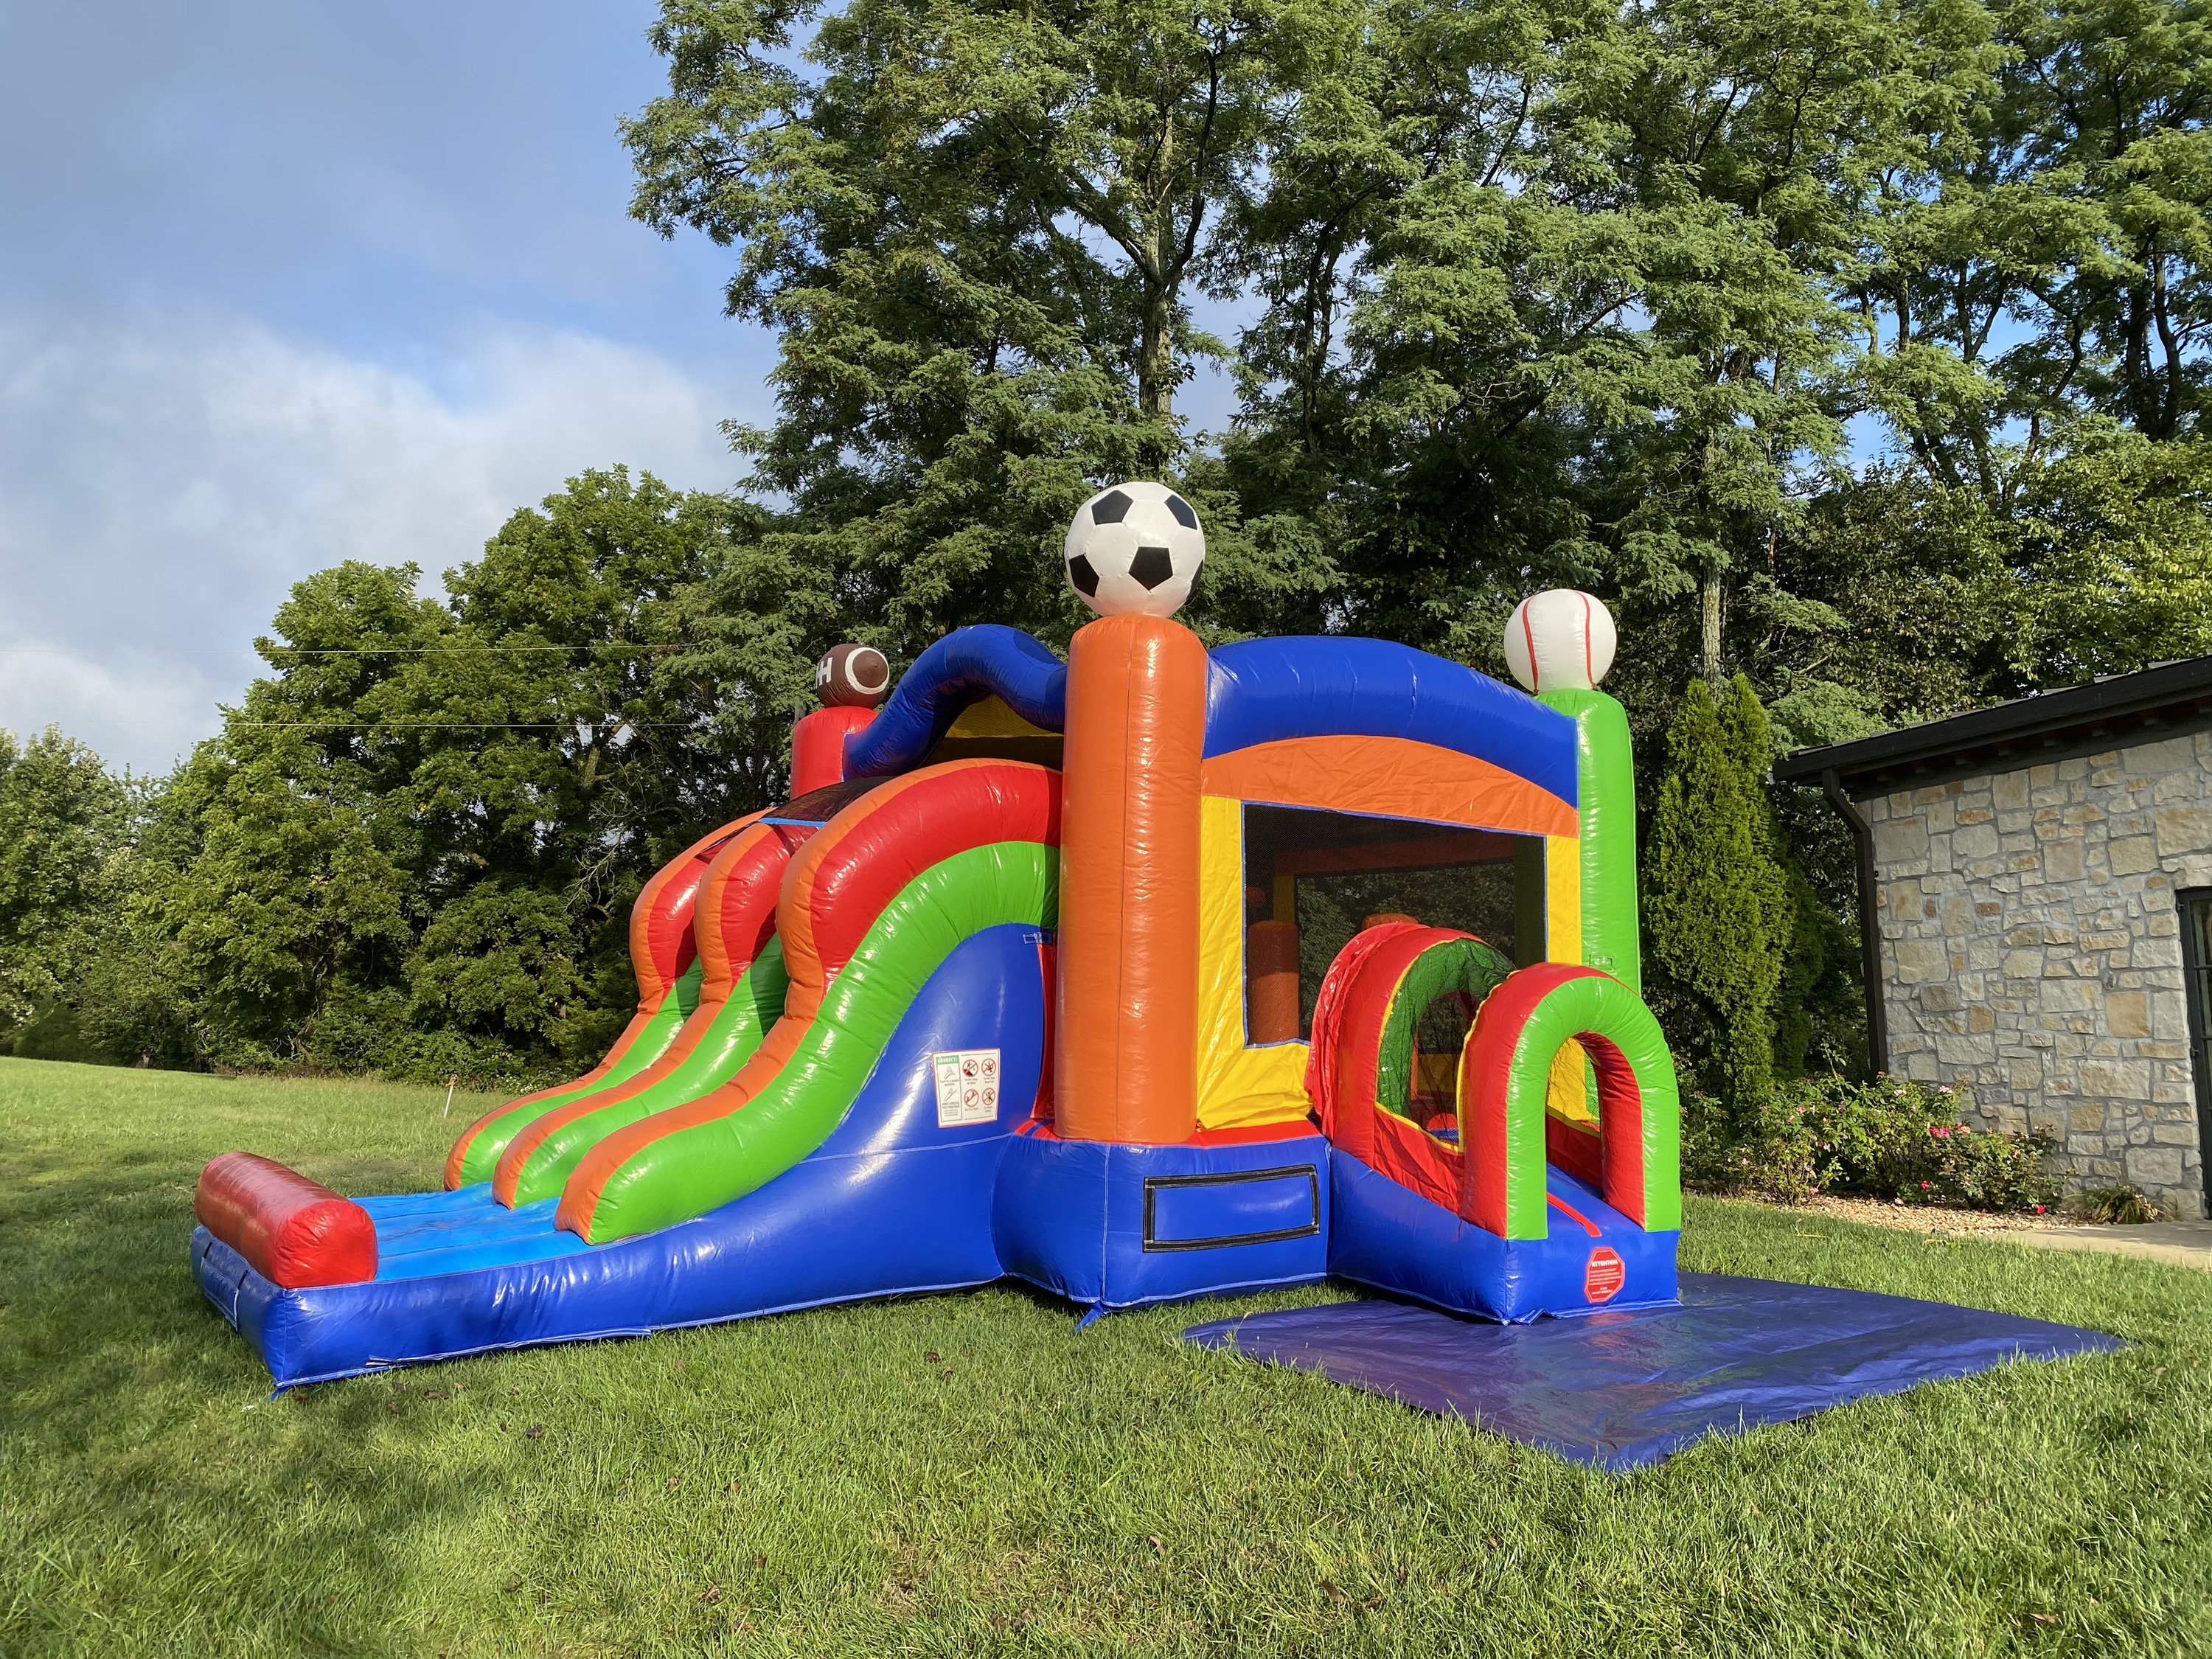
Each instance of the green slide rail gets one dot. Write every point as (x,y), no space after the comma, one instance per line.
(636,1183)
(491,1138)
(737,1027)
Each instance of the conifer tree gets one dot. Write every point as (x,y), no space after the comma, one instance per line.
(1798,937)
(1716,900)
(1805,957)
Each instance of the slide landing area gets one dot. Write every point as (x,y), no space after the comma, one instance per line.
(891,1202)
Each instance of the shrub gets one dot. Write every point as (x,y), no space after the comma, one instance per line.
(1760,1149)
(54,1033)
(2123,1205)
(1888,1139)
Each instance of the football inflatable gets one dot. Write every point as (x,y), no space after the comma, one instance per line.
(852,677)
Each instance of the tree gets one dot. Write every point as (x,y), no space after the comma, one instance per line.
(2044,256)
(1556,293)
(1440,310)
(978,230)
(2110,103)
(1526,293)
(2114,551)
(415,845)
(1029,185)
(62,820)
(138,997)
(1715,902)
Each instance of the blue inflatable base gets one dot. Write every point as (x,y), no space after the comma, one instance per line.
(1593,1256)
(1104,1226)
(1113,1225)
(893,1201)
(1624,1390)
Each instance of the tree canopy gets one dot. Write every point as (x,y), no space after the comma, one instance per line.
(1523,291)
(415,844)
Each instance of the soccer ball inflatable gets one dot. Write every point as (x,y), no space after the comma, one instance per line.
(1559,641)
(1133,550)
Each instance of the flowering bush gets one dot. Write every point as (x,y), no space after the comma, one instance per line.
(1887,1138)
(1757,1151)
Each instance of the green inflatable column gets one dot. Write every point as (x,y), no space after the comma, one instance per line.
(1606,777)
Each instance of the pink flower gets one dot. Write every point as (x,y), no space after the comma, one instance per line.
(1926,1185)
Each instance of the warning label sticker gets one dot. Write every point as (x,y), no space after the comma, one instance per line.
(1604,1274)
(967,1086)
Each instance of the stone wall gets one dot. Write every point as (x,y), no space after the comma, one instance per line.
(2032,952)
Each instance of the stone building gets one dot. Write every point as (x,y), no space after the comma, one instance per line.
(2035,885)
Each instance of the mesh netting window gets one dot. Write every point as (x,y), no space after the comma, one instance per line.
(1313,879)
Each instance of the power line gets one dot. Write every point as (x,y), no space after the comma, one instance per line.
(459,650)
(389,650)
(462,725)
(249,723)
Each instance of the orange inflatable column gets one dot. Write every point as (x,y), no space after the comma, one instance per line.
(1127,1061)
(1270,957)
(818,747)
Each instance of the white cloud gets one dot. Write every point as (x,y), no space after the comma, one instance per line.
(165,479)
(137,709)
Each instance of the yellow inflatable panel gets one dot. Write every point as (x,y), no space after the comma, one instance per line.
(1236,1084)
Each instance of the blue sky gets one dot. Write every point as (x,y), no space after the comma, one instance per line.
(300,280)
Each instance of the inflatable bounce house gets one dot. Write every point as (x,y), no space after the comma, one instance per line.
(1157,972)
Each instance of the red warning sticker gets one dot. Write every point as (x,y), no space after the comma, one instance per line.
(1605,1274)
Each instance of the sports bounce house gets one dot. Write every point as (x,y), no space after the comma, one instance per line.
(1143,975)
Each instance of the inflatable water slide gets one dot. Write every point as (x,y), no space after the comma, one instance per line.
(1156,973)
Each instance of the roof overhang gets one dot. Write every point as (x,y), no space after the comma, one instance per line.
(2124,710)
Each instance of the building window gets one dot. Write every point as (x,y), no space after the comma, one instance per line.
(2196,904)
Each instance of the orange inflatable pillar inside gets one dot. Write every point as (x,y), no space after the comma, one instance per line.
(1128,1062)
(1270,957)
(818,747)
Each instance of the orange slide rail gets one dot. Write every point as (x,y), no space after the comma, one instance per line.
(733,919)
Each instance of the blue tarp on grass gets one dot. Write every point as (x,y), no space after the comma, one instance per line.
(1624,1390)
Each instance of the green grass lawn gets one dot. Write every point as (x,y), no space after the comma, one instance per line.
(968,1475)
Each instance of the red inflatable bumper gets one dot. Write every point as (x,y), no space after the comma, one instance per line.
(295,1231)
